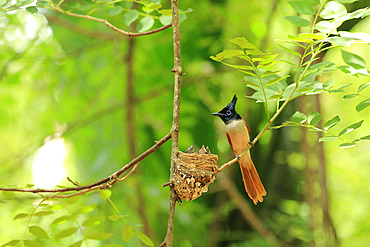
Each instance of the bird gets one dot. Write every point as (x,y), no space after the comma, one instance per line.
(237,133)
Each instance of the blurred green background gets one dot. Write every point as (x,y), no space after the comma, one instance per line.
(66,78)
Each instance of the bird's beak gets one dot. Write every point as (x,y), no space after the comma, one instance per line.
(217,114)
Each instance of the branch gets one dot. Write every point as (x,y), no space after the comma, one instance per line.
(177,69)
(80,30)
(110,25)
(103,183)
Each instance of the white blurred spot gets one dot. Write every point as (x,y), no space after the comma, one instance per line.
(48,170)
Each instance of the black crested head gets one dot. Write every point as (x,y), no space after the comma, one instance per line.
(228,113)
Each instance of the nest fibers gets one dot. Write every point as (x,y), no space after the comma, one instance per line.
(194,172)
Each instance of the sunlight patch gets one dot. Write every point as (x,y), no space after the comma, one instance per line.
(47,168)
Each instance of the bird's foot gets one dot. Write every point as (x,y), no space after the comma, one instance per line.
(252,144)
(237,157)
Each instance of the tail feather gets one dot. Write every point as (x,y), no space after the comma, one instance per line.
(252,181)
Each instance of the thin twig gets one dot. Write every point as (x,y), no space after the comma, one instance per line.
(177,69)
(110,25)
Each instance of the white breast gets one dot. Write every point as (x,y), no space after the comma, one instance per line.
(239,135)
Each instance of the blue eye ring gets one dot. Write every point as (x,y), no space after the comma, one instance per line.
(228,112)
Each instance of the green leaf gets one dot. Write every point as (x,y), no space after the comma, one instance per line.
(328,84)
(20,216)
(32,9)
(314,118)
(127,233)
(105,194)
(240,67)
(302,7)
(326,27)
(86,209)
(93,221)
(60,220)
(328,138)
(130,16)
(362,105)
(331,123)
(165,20)
(38,232)
(31,243)
(242,43)
(145,24)
(298,21)
(351,128)
(111,245)
(116,10)
(227,54)
(77,244)
(66,232)
(56,207)
(333,9)
(347,145)
(43,213)
(364,138)
(341,41)
(11,243)
(145,239)
(349,96)
(276,80)
(100,236)
(299,117)
(344,86)
(353,60)
(362,87)
(311,36)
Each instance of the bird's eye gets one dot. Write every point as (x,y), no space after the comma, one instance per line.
(228,113)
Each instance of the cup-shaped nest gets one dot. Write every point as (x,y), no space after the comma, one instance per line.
(193,173)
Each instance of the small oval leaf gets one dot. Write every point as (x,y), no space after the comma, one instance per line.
(11,243)
(347,145)
(77,244)
(145,24)
(351,128)
(105,194)
(299,117)
(332,122)
(328,138)
(38,232)
(116,10)
(130,16)
(144,238)
(127,233)
(362,105)
(43,213)
(20,216)
(60,220)
(66,232)
(298,21)
(314,118)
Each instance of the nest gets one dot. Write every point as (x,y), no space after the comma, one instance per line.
(194,172)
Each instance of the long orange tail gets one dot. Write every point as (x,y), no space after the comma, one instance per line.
(252,181)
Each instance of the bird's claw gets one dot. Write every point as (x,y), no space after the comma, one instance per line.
(251,144)
(237,157)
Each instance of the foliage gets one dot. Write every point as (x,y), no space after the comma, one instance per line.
(67,79)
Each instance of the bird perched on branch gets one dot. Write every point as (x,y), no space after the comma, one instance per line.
(237,133)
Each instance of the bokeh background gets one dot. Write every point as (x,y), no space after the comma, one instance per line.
(64,88)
